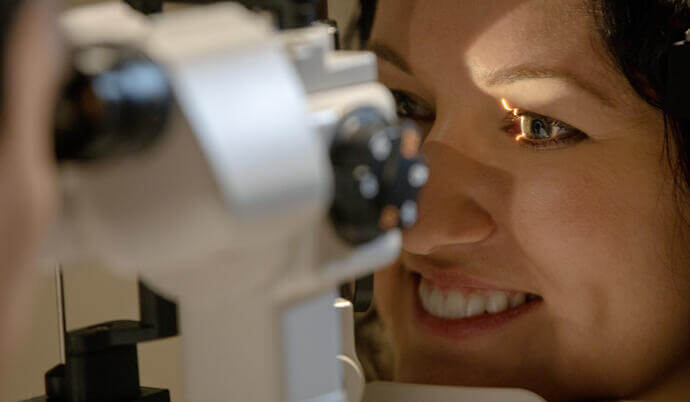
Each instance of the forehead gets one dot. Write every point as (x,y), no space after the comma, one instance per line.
(498,25)
(447,37)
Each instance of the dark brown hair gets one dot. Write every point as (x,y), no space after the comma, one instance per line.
(639,35)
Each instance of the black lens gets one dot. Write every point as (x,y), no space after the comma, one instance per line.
(117,102)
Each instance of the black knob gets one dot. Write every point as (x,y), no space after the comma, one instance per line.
(378,174)
(117,101)
(146,6)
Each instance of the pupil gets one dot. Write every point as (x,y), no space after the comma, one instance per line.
(539,129)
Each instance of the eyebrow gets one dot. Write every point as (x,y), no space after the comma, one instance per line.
(385,52)
(503,76)
(513,74)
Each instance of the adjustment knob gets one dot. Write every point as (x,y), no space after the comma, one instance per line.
(117,101)
(378,174)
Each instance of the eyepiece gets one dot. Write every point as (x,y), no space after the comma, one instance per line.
(116,102)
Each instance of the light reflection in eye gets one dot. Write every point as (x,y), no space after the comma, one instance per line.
(515,111)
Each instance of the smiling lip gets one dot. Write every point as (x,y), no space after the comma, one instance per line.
(450,278)
(464,328)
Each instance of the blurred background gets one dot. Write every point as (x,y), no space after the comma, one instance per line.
(93,295)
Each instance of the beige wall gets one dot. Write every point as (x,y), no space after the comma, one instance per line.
(93,295)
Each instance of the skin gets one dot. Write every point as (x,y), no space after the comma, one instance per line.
(32,70)
(592,226)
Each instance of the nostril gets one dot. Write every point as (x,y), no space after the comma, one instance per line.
(532,297)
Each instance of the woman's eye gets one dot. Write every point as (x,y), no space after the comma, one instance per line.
(412,107)
(539,131)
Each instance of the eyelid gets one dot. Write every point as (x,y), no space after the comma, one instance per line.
(424,112)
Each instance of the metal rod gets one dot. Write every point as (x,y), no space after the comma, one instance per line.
(60,292)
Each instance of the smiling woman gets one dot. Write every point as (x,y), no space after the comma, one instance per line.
(559,262)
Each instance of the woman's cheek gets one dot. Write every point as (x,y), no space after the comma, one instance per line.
(589,227)
(567,224)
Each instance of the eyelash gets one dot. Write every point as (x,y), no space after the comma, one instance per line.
(410,106)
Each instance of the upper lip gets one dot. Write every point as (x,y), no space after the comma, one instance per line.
(456,275)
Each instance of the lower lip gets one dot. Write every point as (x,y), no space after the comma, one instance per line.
(464,328)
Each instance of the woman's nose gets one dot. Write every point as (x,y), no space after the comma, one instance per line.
(448,213)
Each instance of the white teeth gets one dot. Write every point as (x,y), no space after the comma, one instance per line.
(475,305)
(518,299)
(455,304)
(498,301)
(436,304)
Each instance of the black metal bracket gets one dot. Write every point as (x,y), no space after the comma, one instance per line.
(101,360)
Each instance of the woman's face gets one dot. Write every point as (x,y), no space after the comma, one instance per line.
(562,192)
(32,63)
